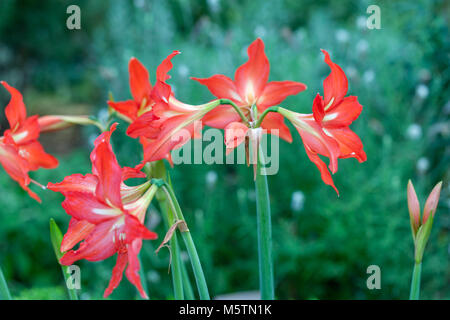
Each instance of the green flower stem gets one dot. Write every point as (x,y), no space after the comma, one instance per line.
(56,239)
(264,114)
(4,291)
(188,291)
(177,275)
(415,282)
(264,233)
(189,242)
(236,108)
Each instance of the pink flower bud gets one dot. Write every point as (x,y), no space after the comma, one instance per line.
(432,202)
(413,207)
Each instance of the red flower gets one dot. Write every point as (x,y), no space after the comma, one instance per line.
(251,86)
(326,131)
(107,214)
(20,150)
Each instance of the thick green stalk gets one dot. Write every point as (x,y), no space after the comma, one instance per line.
(188,292)
(264,233)
(189,242)
(4,291)
(415,282)
(177,275)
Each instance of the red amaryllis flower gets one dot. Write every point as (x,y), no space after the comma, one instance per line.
(162,122)
(20,150)
(251,87)
(107,214)
(326,131)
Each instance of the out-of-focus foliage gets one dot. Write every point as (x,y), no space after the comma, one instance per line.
(322,244)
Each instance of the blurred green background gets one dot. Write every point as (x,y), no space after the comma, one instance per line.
(322,244)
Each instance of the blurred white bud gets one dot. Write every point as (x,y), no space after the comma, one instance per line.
(422,91)
(424,75)
(342,35)
(214,5)
(103,115)
(368,76)
(422,165)
(184,256)
(297,201)
(139,3)
(211,178)
(251,195)
(153,219)
(183,70)
(361,22)
(414,131)
(153,276)
(260,31)
(351,72)
(362,46)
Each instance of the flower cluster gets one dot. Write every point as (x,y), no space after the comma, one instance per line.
(244,105)
(107,215)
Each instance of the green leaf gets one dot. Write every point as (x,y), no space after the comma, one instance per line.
(56,237)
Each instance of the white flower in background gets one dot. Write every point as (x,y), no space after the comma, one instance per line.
(103,115)
(422,91)
(424,74)
(153,276)
(153,220)
(362,46)
(297,201)
(251,195)
(414,131)
(361,22)
(342,36)
(183,70)
(139,3)
(260,31)
(214,5)
(351,72)
(211,178)
(423,164)
(368,76)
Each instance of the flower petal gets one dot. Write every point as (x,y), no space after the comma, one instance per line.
(86,206)
(324,173)
(128,109)
(165,66)
(117,273)
(107,169)
(350,146)
(221,87)
(235,134)
(75,183)
(132,271)
(274,124)
(99,245)
(343,114)
(139,80)
(15,110)
(276,91)
(252,76)
(77,231)
(318,109)
(335,86)
(36,156)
